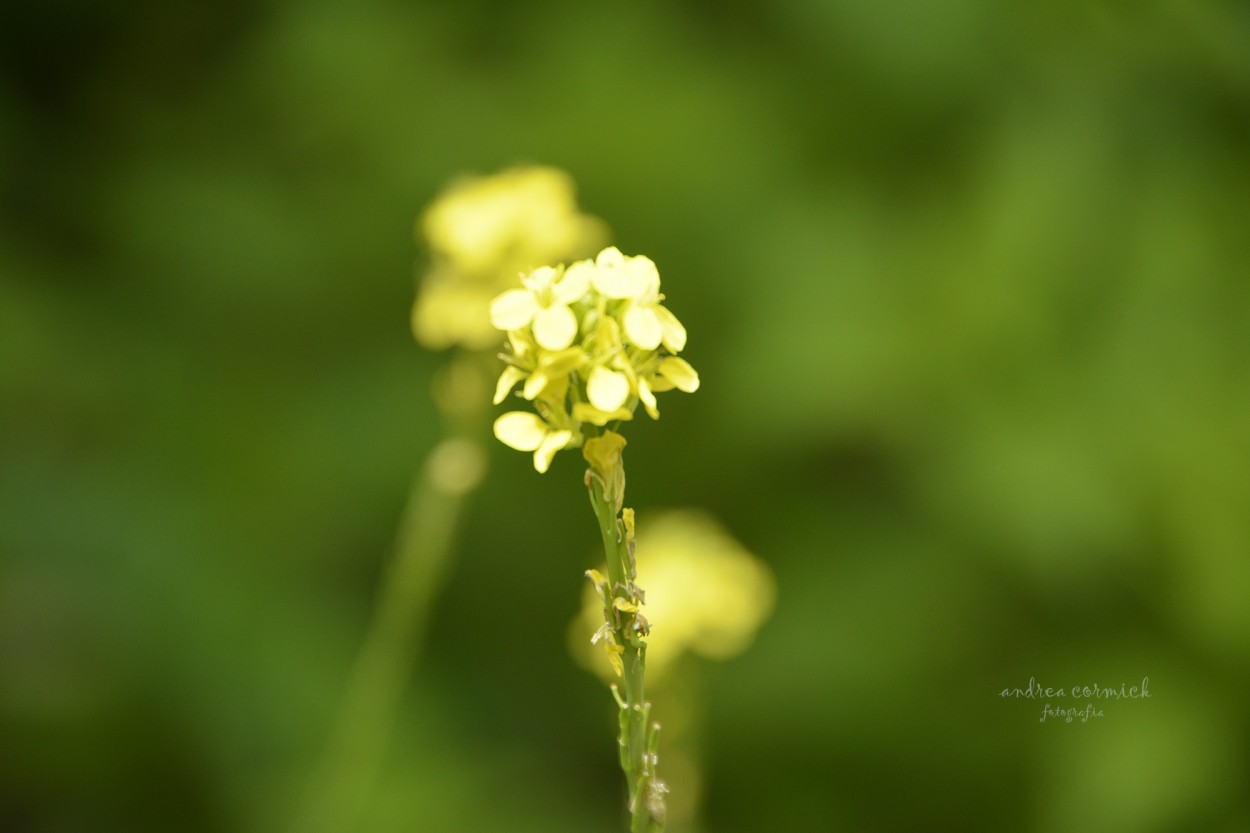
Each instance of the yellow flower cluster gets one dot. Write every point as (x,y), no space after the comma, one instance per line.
(705,594)
(586,344)
(480,234)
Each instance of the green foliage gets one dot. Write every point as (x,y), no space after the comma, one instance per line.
(966,288)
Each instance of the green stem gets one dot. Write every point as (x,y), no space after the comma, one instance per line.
(635,710)
(345,780)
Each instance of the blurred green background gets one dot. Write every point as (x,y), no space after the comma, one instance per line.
(966,283)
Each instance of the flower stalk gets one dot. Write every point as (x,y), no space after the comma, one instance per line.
(345,782)
(626,628)
(586,345)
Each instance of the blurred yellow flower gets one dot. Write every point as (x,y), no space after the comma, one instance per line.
(481,234)
(705,594)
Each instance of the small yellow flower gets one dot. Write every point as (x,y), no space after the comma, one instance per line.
(529,432)
(636,281)
(542,305)
(663,374)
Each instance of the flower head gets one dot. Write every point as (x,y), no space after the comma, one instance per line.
(587,343)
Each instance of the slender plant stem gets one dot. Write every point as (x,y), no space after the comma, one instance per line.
(635,710)
(347,776)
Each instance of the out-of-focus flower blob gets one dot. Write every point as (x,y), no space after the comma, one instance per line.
(704,593)
(481,233)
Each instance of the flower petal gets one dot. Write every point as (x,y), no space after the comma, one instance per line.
(674,334)
(554,394)
(540,280)
(555,327)
(607,389)
(610,257)
(519,343)
(521,430)
(613,282)
(600,582)
(513,309)
(585,412)
(574,284)
(507,381)
(680,373)
(534,385)
(642,327)
(553,442)
(648,399)
(614,657)
(645,278)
